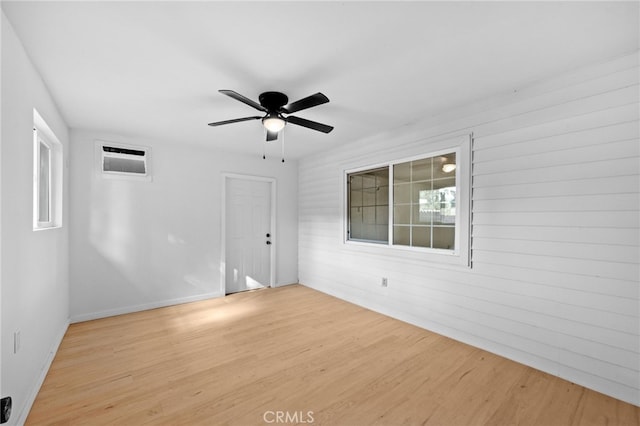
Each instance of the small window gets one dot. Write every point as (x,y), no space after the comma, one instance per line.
(420,203)
(47,176)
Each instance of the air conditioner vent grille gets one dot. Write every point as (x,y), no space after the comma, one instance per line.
(124,165)
(124,160)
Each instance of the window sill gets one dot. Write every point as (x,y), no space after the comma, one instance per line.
(46,227)
(419,254)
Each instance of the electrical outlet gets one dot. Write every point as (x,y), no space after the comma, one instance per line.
(384,282)
(16,342)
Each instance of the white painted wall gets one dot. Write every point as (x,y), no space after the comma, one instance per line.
(555,250)
(2,20)
(35,272)
(137,244)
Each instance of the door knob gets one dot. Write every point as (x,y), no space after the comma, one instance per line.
(268,235)
(268,243)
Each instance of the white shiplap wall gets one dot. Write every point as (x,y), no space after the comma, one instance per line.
(556,230)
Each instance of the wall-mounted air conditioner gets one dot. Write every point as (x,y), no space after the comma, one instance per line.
(124,161)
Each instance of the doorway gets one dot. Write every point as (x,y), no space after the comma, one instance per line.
(248,228)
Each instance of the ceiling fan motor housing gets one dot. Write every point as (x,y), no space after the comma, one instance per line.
(273,101)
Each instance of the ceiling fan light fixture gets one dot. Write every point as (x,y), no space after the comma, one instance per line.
(273,123)
(448,168)
(274,104)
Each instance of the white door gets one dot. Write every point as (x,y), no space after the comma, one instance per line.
(247,234)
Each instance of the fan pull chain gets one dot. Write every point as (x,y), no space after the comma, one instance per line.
(264,145)
(282,136)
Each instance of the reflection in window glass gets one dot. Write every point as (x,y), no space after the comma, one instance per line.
(424,202)
(369,205)
(44,183)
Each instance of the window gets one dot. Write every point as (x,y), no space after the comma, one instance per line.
(44,183)
(424,202)
(369,205)
(420,203)
(47,176)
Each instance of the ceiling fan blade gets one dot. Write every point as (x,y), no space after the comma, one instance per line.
(235,120)
(309,124)
(238,97)
(271,136)
(304,103)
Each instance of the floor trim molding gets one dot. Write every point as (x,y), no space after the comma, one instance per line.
(142,307)
(35,388)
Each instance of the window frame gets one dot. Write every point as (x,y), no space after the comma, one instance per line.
(461,254)
(389,207)
(392,166)
(44,136)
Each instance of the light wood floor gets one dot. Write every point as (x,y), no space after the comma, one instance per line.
(242,359)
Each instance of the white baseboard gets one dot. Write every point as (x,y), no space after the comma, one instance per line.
(283,284)
(35,388)
(143,307)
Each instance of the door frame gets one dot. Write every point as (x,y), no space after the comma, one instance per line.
(223,227)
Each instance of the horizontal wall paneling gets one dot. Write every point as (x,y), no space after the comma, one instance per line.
(555,236)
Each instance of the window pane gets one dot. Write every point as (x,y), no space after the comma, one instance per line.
(369,196)
(368,180)
(382,196)
(421,169)
(402,193)
(421,236)
(356,222)
(355,197)
(421,215)
(444,237)
(382,232)
(418,191)
(425,196)
(444,183)
(444,166)
(44,203)
(382,215)
(402,173)
(382,177)
(369,205)
(402,214)
(401,235)
(369,215)
(446,209)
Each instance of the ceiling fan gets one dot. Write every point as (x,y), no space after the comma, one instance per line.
(274,105)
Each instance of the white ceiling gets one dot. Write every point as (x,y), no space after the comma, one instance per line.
(153,69)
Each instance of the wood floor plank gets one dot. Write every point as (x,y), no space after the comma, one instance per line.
(292,351)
